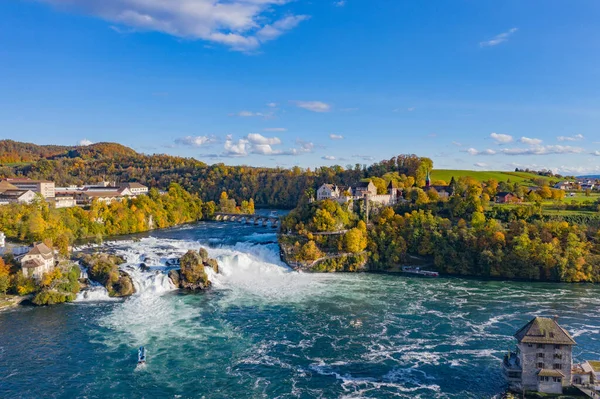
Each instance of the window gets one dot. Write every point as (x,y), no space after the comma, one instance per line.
(546,379)
(551,335)
(557,366)
(558,356)
(540,365)
(556,379)
(540,355)
(556,346)
(540,346)
(530,345)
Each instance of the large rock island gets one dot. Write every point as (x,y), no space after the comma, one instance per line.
(192,276)
(104,268)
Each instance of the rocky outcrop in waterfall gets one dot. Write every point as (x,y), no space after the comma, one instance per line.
(192,276)
(104,269)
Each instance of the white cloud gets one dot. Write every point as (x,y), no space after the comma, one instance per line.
(336,137)
(530,141)
(242,25)
(481,164)
(456,143)
(275,129)
(473,151)
(496,40)
(577,137)
(314,106)
(501,138)
(543,150)
(259,139)
(305,146)
(328,158)
(339,3)
(236,149)
(84,142)
(272,105)
(596,153)
(248,114)
(364,157)
(410,109)
(195,141)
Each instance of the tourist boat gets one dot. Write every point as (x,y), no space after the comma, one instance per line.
(417,270)
(142,355)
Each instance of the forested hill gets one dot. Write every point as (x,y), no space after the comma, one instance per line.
(17,152)
(274,187)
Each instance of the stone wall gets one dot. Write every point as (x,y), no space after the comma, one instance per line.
(529,360)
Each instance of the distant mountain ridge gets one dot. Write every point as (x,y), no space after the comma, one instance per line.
(589,177)
(14,152)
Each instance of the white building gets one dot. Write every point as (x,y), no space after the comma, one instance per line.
(135,188)
(2,240)
(328,191)
(17,197)
(64,200)
(38,261)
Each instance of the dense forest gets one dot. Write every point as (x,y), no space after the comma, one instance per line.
(273,187)
(462,235)
(61,227)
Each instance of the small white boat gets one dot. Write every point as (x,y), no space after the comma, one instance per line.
(142,355)
(418,271)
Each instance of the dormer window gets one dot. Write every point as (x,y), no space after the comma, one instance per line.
(551,335)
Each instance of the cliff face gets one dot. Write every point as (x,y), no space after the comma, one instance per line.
(322,262)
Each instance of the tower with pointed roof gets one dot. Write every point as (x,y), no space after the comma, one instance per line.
(427,180)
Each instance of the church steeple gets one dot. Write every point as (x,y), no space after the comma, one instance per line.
(427,180)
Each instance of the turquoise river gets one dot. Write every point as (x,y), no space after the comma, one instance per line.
(264,331)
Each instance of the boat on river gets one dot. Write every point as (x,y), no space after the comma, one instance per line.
(142,355)
(417,270)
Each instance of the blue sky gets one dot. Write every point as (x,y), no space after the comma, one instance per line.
(471,84)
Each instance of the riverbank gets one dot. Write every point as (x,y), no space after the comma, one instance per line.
(268,330)
(12,301)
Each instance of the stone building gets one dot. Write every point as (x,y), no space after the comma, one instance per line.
(38,261)
(543,359)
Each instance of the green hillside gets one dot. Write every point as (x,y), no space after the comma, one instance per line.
(520,177)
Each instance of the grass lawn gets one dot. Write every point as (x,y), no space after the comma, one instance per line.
(519,177)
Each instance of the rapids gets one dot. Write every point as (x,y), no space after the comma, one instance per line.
(265,331)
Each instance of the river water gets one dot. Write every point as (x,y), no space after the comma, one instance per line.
(267,332)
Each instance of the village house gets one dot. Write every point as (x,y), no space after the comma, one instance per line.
(506,198)
(103,194)
(38,261)
(44,187)
(543,360)
(2,239)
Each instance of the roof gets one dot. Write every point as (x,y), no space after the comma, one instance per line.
(504,194)
(363,184)
(543,330)
(4,185)
(41,249)
(26,180)
(595,365)
(550,373)
(102,194)
(132,185)
(329,186)
(392,184)
(32,263)
(14,193)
